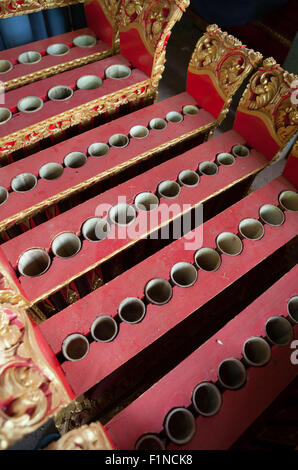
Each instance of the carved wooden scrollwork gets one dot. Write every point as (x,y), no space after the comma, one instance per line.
(87,437)
(20,7)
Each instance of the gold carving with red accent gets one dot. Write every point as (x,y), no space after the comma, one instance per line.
(20,7)
(87,437)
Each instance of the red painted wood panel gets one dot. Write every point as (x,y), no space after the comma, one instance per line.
(98,22)
(201,87)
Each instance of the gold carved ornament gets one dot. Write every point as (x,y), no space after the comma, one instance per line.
(87,437)
(30,390)
(269,95)
(10,8)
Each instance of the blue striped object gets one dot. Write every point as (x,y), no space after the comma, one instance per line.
(16,31)
(78,16)
(38,26)
(57,20)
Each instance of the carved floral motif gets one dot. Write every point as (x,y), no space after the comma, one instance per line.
(87,437)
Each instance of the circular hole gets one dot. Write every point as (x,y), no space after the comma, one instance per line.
(23,182)
(146,201)
(5,115)
(122,214)
(66,245)
(30,104)
(229,243)
(34,262)
(139,132)
(104,329)
(98,149)
(85,40)
(188,178)
(117,72)
(207,259)
(158,291)
(169,189)
(30,57)
(89,82)
(158,124)
(206,399)
(95,229)
(149,442)
(231,374)
(173,116)
(271,215)
(293,309)
(58,49)
(184,274)
(75,347)
(190,109)
(75,160)
(208,168)
(240,151)
(180,426)
(256,352)
(3,195)
(279,331)
(251,229)
(60,93)
(225,159)
(5,66)
(119,140)
(51,171)
(289,201)
(132,310)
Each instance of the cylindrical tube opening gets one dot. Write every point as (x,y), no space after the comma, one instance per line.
(208,168)
(158,291)
(279,331)
(225,159)
(98,149)
(240,151)
(51,171)
(84,40)
(289,201)
(190,109)
(3,195)
(180,426)
(139,132)
(30,104)
(66,245)
(75,347)
(34,262)
(122,214)
(251,228)
(75,160)
(5,66)
(183,274)
(293,309)
(231,374)
(104,329)
(23,182)
(207,259)
(158,124)
(119,140)
(188,178)
(146,202)
(89,82)
(256,352)
(132,310)
(117,72)
(206,399)
(149,442)
(169,189)
(173,116)
(5,115)
(229,244)
(60,93)
(57,49)
(95,229)
(271,215)
(29,57)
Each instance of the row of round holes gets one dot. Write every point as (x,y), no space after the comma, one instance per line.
(57,49)
(25,182)
(68,244)
(159,291)
(206,397)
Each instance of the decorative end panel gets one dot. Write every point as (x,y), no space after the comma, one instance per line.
(87,437)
